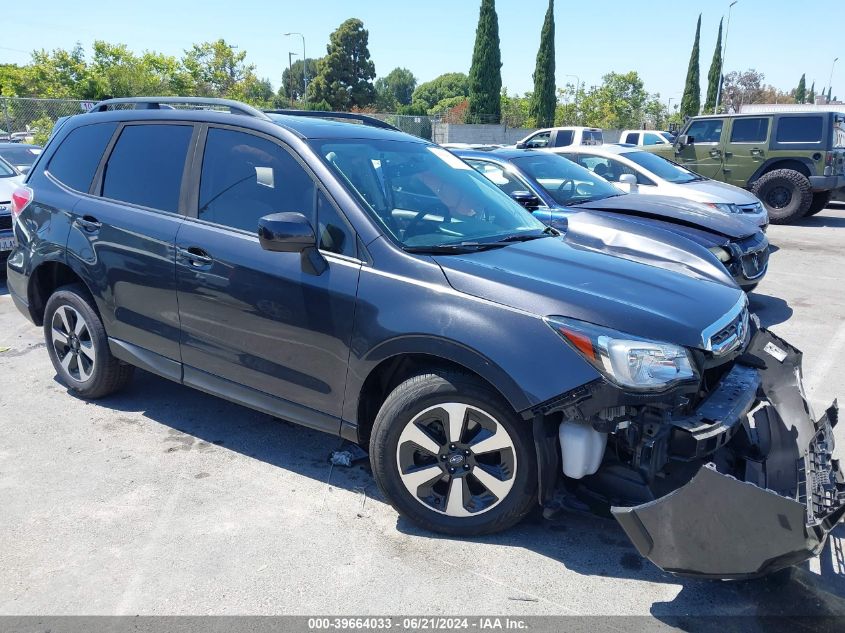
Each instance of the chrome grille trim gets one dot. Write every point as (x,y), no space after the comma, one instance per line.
(729,332)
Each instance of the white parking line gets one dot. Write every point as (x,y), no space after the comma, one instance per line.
(832,353)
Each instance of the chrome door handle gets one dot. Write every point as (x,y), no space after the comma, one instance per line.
(88,223)
(196,256)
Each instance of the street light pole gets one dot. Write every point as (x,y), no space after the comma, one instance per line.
(304,69)
(724,53)
(830,81)
(290,72)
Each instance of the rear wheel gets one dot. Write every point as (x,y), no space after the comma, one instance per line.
(78,346)
(786,193)
(451,455)
(820,202)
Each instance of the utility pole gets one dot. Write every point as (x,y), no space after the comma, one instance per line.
(830,81)
(724,54)
(304,70)
(290,74)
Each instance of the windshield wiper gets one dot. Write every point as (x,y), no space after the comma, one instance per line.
(452,249)
(575,204)
(524,237)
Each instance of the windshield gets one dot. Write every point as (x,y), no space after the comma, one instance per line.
(663,168)
(425,196)
(566,182)
(20,155)
(6,170)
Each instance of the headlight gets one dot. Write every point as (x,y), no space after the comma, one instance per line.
(722,254)
(626,360)
(724,207)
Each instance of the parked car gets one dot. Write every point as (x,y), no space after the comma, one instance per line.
(10,181)
(370,284)
(792,161)
(554,188)
(20,155)
(562,137)
(636,171)
(646,137)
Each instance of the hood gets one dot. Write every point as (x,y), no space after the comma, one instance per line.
(694,216)
(715,191)
(602,273)
(8,186)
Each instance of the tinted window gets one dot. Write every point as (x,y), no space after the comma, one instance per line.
(706,130)
(20,155)
(333,232)
(565,181)
(564,138)
(78,157)
(800,129)
(146,165)
(652,139)
(632,137)
(504,180)
(245,177)
(591,137)
(6,170)
(662,167)
(749,130)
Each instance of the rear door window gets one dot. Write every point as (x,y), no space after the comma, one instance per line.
(754,130)
(76,160)
(146,165)
(800,129)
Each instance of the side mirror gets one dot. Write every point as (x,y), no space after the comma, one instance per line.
(683,140)
(630,180)
(526,199)
(520,145)
(286,233)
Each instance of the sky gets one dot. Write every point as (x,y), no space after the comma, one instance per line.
(780,38)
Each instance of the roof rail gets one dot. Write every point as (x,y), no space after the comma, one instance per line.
(364,119)
(155,103)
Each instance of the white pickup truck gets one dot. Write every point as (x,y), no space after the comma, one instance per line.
(561,137)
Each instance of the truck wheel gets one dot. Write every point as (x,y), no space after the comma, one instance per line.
(786,194)
(820,202)
(451,455)
(78,346)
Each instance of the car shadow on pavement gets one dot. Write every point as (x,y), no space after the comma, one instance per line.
(4,289)
(822,220)
(770,310)
(584,544)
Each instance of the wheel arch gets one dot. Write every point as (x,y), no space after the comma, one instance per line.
(399,360)
(43,282)
(803,166)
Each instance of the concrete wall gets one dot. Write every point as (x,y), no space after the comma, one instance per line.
(492,134)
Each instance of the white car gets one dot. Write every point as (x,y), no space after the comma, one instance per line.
(10,179)
(636,171)
(552,137)
(646,137)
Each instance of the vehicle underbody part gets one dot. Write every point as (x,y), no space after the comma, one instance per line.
(736,482)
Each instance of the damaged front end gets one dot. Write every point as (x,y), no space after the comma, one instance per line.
(737,481)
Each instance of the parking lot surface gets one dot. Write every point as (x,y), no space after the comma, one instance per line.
(164,500)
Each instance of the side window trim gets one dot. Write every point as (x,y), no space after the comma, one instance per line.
(96,188)
(106,152)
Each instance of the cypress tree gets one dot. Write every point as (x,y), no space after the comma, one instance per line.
(811,98)
(801,91)
(829,92)
(543,100)
(715,74)
(485,75)
(691,101)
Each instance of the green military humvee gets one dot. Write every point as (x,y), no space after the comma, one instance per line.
(792,161)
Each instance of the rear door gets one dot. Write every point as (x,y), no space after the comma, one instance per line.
(257,323)
(122,235)
(745,150)
(704,154)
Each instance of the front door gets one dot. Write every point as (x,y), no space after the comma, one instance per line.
(704,154)
(255,322)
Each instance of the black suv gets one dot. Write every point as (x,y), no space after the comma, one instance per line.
(369,284)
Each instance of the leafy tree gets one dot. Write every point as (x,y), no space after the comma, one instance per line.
(397,86)
(215,68)
(714,76)
(516,110)
(117,72)
(293,84)
(801,91)
(345,74)
(749,86)
(691,100)
(58,74)
(621,101)
(485,74)
(443,87)
(543,99)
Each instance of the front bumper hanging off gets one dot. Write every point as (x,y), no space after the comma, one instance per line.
(768,498)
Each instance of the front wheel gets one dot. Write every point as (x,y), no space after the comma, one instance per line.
(451,455)
(78,345)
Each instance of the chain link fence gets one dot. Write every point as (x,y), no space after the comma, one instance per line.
(29,120)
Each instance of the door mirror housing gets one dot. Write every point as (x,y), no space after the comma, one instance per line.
(286,233)
(683,140)
(629,180)
(520,145)
(526,199)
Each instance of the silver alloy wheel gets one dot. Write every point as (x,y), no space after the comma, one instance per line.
(72,342)
(456,459)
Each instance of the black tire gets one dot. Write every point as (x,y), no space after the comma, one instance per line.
(90,370)
(414,398)
(820,201)
(786,194)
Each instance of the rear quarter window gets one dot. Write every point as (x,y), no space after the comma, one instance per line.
(800,129)
(76,160)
